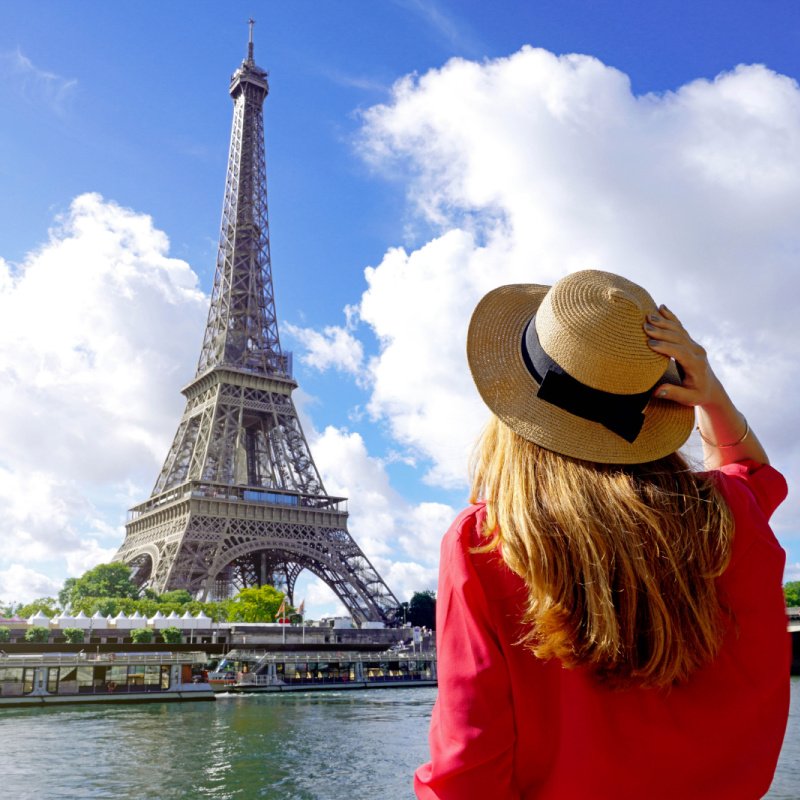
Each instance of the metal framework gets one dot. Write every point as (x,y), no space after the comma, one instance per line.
(239,501)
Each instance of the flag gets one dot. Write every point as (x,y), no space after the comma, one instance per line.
(281,609)
(302,607)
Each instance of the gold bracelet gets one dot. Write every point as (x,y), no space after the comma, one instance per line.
(732,444)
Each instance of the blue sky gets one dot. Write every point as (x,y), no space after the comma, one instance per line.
(514,162)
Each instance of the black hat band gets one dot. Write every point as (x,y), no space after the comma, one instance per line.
(619,413)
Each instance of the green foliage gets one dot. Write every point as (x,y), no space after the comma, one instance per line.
(171,635)
(141,635)
(74,635)
(104,580)
(47,605)
(65,595)
(422,609)
(256,604)
(791,593)
(180,596)
(37,633)
(5,634)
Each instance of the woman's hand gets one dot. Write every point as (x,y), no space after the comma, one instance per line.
(667,336)
(726,435)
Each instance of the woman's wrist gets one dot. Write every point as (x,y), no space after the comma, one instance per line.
(727,435)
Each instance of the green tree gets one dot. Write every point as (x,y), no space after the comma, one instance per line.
(104,580)
(5,634)
(141,635)
(74,635)
(791,593)
(172,635)
(37,633)
(65,595)
(256,604)
(47,605)
(180,596)
(422,609)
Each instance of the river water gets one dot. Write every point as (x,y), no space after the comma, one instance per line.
(357,745)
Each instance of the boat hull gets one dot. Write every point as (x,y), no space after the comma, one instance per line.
(36,701)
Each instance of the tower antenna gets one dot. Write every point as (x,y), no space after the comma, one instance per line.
(250,23)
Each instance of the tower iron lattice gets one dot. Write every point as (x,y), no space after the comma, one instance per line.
(239,501)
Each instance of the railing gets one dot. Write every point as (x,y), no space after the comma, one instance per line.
(379,657)
(245,494)
(76,659)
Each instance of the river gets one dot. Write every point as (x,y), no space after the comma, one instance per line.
(358,745)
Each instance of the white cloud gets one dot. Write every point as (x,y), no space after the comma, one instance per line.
(532,166)
(335,347)
(320,600)
(98,329)
(21,584)
(90,554)
(382,521)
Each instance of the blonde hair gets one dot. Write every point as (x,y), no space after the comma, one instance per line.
(620,561)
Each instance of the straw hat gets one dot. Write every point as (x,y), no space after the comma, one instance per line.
(569,368)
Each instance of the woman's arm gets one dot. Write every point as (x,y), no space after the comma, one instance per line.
(472,735)
(727,436)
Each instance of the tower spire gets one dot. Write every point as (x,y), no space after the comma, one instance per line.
(250,23)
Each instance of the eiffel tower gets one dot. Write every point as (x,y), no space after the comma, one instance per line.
(239,501)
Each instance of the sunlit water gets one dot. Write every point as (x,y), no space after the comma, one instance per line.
(361,745)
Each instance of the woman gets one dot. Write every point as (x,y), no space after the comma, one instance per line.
(610,623)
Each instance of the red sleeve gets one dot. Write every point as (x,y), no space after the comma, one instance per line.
(472,733)
(766,484)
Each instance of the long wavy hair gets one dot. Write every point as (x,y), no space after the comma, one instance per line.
(620,561)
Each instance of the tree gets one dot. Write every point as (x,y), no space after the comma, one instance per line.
(5,633)
(422,609)
(65,595)
(37,633)
(256,604)
(47,605)
(74,635)
(171,635)
(176,596)
(104,580)
(791,593)
(141,635)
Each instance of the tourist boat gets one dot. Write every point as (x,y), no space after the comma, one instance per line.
(259,671)
(58,678)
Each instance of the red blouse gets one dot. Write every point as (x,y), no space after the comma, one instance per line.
(508,725)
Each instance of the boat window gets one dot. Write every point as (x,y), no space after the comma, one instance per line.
(152,676)
(85,679)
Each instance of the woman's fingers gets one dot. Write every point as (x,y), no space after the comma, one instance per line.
(677,394)
(667,314)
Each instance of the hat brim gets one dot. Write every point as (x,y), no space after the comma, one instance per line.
(494,352)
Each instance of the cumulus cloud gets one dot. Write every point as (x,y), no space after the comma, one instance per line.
(21,584)
(335,347)
(385,524)
(98,330)
(535,165)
